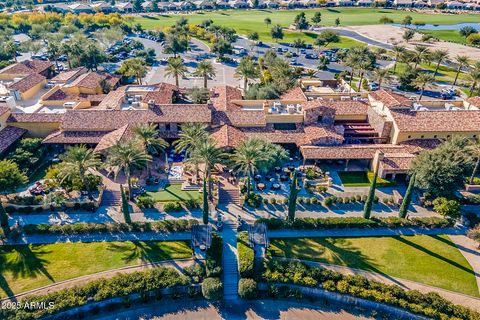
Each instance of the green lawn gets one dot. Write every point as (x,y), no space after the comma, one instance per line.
(433,260)
(247,21)
(25,267)
(361,179)
(174,192)
(446,35)
(444,74)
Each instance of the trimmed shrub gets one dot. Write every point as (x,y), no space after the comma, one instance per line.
(212,289)
(247,289)
(214,257)
(246,256)
(172,206)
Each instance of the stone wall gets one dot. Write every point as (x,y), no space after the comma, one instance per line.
(380,124)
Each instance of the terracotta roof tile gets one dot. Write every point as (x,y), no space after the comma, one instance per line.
(227,136)
(348,151)
(74,137)
(27,82)
(294,94)
(27,67)
(113,137)
(113,100)
(397,161)
(60,95)
(163,94)
(389,98)
(339,107)
(66,76)
(437,121)
(475,101)
(35,118)
(4,110)
(92,80)
(8,136)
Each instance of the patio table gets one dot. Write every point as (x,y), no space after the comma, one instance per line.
(276,186)
(261,186)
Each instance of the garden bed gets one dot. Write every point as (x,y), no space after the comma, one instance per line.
(362,179)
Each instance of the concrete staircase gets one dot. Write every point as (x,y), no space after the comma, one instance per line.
(230,260)
(229,196)
(111,198)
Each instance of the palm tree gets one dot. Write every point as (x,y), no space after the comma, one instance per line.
(379,75)
(462,61)
(176,69)
(148,136)
(76,162)
(190,136)
(134,67)
(205,69)
(247,70)
(474,77)
(248,157)
(398,50)
(209,154)
(439,56)
(421,81)
(474,150)
(127,157)
(419,54)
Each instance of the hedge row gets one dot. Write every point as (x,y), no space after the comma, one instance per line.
(246,255)
(429,304)
(82,228)
(355,222)
(214,257)
(119,286)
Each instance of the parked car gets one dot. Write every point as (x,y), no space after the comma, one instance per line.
(373,86)
(447,93)
(293,61)
(311,56)
(303,51)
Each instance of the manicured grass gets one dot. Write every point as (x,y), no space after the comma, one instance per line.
(444,74)
(446,35)
(174,192)
(361,179)
(433,260)
(25,267)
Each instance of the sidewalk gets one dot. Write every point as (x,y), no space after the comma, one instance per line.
(101,237)
(457,298)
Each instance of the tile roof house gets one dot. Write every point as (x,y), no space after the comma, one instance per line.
(25,68)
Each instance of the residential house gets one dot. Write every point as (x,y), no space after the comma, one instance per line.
(124,7)
(403,3)
(103,7)
(80,8)
(456,5)
(345,3)
(365,3)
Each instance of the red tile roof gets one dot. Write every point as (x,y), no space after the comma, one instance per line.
(60,95)
(339,107)
(227,136)
(8,136)
(163,94)
(474,101)
(27,82)
(390,98)
(113,137)
(113,100)
(92,80)
(294,94)
(74,137)
(348,151)
(437,121)
(397,161)
(66,76)
(27,67)
(35,118)
(4,110)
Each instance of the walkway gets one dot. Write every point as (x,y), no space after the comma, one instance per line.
(374,232)
(101,237)
(230,261)
(457,298)
(179,265)
(469,249)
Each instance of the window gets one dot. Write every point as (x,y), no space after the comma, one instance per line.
(167,127)
(284,126)
(422,136)
(474,135)
(435,136)
(448,136)
(320,119)
(409,137)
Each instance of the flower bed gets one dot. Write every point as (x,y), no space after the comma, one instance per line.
(354,222)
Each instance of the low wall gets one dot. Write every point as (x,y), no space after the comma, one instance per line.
(349,300)
(472,187)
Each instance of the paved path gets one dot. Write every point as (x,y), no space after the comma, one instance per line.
(457,298)
(230,261)
(101,237)
(179,265)
(364,232)
(469,249)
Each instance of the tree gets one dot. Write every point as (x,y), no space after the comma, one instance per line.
(205,202)
(206,70)
(474,234)
(461,61)
(3,219)
(11,49)
(247,69)
(125,206)
(301,22)
(277,33)
(298,43)
(367,209)
(212,289)
(76,162)
(407,20)
(176,69)
(247,289)
(407,199)
(254,37)
(385,20)
(474,77)
(147,134)
(379,75)
(443,170)
(92,55)
(210,155)
(408,35)
(439,56)
(134,67)
(473,39)
(474,150)
(421,81)
(127,157)
(325,38)
(222,47)
(198,95)
(267,21)
(292,198)
(398,50)
(466,31)
(11,177)
(337,22)
(248,157)
(191,135)
(317,18)
(175,44)
(420,54)
(446,207)
(323,63)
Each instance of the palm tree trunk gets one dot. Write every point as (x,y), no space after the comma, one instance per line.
(68,60)
(436,69)
(209,174)
(395,65)
(456,76)
(245,83)
(176,81)
(351,79)
(421,94)
(472,89)
(129,184)
(360,82)
(249,184)
(205,79)
(477,165)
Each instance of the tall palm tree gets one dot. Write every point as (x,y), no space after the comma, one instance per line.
(439,56)
(474,150)
(205,69)
(209,154)
(190,136)
(127,157)
(147,134)
(247,70)
(175,68)
(134,67)
(474,77)
(462,61)
(248,158)
(379,75)
(419,54)
(76,162)
(421,81)
(398,50)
